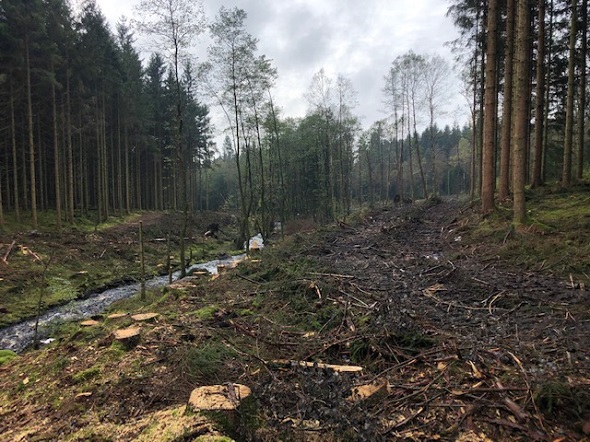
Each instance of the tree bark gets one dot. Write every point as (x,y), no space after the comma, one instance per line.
(582,95)
(56,159)
(504,185)
(491,105)
(566,174)
(537,178)
(14,157)
(33,180)
(521,120)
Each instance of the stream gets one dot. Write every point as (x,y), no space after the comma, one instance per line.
(18,336)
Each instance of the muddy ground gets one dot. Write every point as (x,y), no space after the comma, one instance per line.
(453,343)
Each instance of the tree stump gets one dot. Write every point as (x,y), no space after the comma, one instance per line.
(128,337)
(219,397)
(116,315)
(141,317)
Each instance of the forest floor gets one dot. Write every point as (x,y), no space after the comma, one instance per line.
(465,330)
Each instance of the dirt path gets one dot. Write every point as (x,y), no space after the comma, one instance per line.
(466,347)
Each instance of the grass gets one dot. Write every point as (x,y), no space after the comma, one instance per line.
(556,238)
(86,375)
(204,362)
(559,399)
(206,313)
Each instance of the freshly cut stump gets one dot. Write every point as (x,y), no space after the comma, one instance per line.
(219,397)
(89,323)
(128,337)
(116,315)
(144,316)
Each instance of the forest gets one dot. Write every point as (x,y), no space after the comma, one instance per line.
(417,280)
(90,130)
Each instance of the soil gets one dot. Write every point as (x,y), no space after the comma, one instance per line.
(455,344)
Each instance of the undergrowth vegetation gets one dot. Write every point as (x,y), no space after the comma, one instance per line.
(556,239)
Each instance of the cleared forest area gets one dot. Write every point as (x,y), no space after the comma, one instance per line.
(416,322)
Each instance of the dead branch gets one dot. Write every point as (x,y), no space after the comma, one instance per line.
(334,275)
(5,257)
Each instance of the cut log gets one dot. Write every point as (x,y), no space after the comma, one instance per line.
(320,365)
(128,337)
(89,323)
(219,397)
(144,316)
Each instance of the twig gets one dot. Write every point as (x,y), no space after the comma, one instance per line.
(5,257)
(248,279)
(504,423)
(507,235)
(449,303)
(404,422)
(242,329)
(432,269)
(407,362)
(244,353)
(363,304)
(530,391)
(339,341)
(422,390)
(335,275)
(480,281)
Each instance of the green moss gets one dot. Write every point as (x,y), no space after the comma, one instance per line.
(556,237)
(206,313)
(85,375)
(59,364)
(6,356)
(213,439)
(204,362)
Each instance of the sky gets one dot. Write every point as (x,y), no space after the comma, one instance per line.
(358,39)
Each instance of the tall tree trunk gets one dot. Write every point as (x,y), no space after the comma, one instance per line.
(14,157)
(548,76)
(1,204)
(537,178)
(566,174)
(491,106)
(127,174)
(504,185)
(474,130)
(282,194)
(418,154)
(521,115)
(410,158)
(70,153)
(56,159)
(33,179)
(98,171)
(582,94)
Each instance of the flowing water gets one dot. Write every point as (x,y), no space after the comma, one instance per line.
(18,336)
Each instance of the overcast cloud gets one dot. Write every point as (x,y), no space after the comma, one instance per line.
(358,39)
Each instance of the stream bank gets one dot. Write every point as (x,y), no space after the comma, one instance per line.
(18,336)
